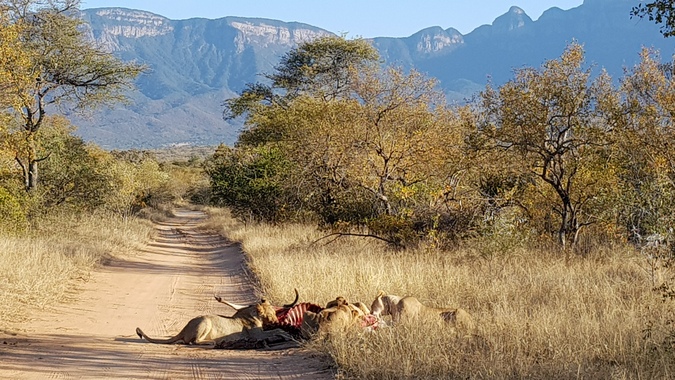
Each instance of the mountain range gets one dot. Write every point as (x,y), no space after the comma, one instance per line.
(195,64)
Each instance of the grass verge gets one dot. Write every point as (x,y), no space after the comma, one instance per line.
(541,315)
(40,268)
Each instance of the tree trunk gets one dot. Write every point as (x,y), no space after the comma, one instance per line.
(30,169)
(562,232)
(32,180)
(569,226)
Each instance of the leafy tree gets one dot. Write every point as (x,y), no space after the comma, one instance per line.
(321,68)
(318,68)
(554,119)
(11,58)
(393,136)
(659,11)
(353,142)
(646,153)
(74,176)
(63,68)
(381,156)
(138,181)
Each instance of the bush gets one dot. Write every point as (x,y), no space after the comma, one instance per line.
(12,216)
(249,181)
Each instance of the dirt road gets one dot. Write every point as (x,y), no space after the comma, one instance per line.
(171,281)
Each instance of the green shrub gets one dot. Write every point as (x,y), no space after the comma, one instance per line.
(249,181)
(12,216)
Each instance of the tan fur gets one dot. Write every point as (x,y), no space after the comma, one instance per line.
(362,308)
(357,308)
(338,301)
(410,308)
(339,314)
(246,323)
(266,312)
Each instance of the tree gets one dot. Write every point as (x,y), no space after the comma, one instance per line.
(63,68)
(72,177)
(318,68)
(249,180)
(322,67)
(138,181)
(659,11)
(554,120)
(360,145)
(381,154)
(12,59)
(645,152)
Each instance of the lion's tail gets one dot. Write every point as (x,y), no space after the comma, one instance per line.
(171,340)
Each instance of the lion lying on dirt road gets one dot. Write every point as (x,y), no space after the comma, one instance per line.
(246,323)
(407,308)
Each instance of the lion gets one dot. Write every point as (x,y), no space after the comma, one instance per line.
(327,320)
(358,308)
(338,314)
(408,308)
(246,323)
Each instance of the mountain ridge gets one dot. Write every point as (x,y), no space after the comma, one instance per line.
(196,63)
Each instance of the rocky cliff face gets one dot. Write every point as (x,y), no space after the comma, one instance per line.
(436,40)
(109,24)
(118,22)
(264,34)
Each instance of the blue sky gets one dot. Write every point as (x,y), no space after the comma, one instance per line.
(356,18)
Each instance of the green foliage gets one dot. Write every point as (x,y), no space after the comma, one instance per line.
(659,11)
(249,181)
(551,152)
(77,177)
(364,143)
(71,175)
(139,182)
(58,64)
(321,68)
(12,216)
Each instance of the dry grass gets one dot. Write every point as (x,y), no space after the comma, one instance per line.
(540,315)
(39,268)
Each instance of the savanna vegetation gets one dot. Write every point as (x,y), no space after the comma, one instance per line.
(543,207)
(84,205)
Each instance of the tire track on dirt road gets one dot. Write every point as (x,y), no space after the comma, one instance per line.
(159,289)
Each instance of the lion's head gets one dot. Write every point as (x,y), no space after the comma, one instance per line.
(378,306)
(266,312)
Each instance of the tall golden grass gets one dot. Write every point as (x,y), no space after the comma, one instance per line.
(541,315)
(40,268)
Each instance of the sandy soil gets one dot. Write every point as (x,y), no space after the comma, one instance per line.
(171,281)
